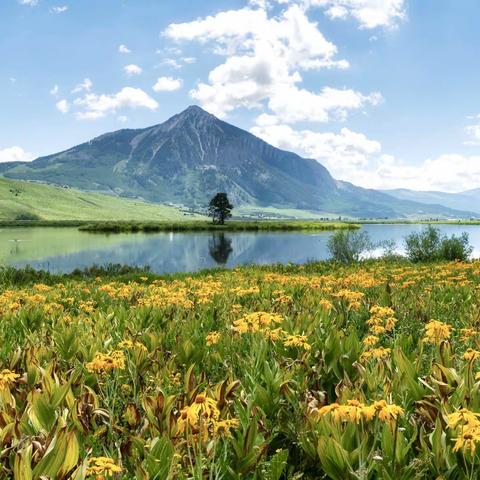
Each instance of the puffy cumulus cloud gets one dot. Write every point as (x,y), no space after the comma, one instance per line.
(95,106)
(265,56)
(341,153)
(132,69)
(292,104)
(124,49)
(30,3)
(14,154)
(63,106)
(54,91)
(368,13)
(168,84)
(353,157)
(86,86)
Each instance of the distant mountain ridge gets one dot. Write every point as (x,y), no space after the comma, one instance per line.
(468,200)
(193,155)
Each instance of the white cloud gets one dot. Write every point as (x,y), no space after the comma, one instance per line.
(132,69)
(54,91)
(15,154)
(342,153)
(170,62)
(30,3)
(63,106)
(189,60)
(168,84)
(368,13)
(473,131)
(292,104)
(59,9)
(122,119)
(97,106)
(264,60)
(447,173)
(353,157)
(86,86)
(124,49)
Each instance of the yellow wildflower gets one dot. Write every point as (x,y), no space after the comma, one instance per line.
(102,466)
(299,341)
(7,378)
(471,355)
(212,338)
(105,362)
(436,332)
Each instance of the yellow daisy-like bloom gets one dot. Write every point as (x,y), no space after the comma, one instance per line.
(468,439)
(370,340)
(471,355)
(256,322)
(325,305)
(7,378)
(299,341)
(200,415)
(467,334)
(436,332)
(212,338)
(379,353)
(102,466)
(103,362)
(462,417)
(389,413)
(223,428)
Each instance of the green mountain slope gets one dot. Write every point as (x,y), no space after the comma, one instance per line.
(18,199)
(193,155)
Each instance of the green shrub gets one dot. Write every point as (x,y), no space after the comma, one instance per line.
(27,217)
(429,246)
(348,246)
(456,248)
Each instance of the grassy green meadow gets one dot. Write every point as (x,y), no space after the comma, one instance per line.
(51,203)
(299,372)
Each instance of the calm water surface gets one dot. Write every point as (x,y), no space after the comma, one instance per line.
(64,249)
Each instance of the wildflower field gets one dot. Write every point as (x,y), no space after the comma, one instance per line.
(315,372)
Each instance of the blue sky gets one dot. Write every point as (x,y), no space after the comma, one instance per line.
(382,92)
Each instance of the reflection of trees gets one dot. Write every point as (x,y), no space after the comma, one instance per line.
(220,247)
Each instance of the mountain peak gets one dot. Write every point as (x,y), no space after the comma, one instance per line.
(195,110)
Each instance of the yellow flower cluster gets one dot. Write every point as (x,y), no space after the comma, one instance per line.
(202,418)
(355,411)
(131,344)
(351,297)
(471,355)
(299,341)
(7,378)
(436,332)
(379,353)
(469,425)
(212,338)
(101,466)
(256,322)
(382,320)
(103,363)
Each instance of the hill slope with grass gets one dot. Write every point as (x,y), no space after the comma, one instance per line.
(27,201)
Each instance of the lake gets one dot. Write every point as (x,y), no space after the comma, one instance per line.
(61,250)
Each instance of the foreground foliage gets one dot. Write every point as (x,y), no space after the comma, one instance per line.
(362,372)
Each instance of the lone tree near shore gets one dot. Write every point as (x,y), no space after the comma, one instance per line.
(220,208)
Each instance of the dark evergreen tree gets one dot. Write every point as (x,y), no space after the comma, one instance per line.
(220,208)
(220,248)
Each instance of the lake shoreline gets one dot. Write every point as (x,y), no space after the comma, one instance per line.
(207,226)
